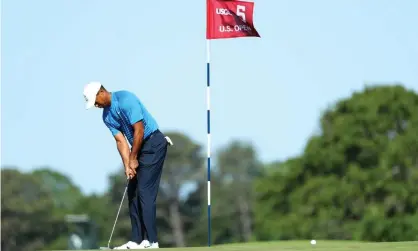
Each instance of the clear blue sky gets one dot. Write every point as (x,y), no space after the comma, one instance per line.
(270,90)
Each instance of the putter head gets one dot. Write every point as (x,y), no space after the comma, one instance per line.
(105,248)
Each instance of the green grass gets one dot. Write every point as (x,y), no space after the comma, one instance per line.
(305,245)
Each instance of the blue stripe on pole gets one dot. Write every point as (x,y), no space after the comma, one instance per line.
(208,119)
(208,75)
(209,226)
(209,169)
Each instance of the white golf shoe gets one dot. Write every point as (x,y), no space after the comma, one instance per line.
(154,245)
(133,245)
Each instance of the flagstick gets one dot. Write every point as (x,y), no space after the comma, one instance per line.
(208,126)
(214,31)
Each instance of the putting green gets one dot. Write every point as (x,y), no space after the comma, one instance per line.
(305,245)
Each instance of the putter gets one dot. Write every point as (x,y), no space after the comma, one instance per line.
(117,215)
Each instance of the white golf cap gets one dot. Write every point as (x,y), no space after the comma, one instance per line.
(90,92)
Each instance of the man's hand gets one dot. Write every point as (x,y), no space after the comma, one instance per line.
(133,165)
(128,172)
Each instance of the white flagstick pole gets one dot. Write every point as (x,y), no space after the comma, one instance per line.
(208,127)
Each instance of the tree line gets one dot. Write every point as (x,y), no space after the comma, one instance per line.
(356,179)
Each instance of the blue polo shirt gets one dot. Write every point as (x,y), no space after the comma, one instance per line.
(125,110)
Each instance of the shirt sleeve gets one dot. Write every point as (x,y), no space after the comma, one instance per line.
(112,129)
(132,108)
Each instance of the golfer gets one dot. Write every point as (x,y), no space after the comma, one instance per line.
(126,116)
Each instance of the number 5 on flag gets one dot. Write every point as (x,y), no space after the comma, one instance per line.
(241,12)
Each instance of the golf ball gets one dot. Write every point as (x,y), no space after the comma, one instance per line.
(313,242)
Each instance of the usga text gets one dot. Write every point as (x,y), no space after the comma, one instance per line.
(224,12)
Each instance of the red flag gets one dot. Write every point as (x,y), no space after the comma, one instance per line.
(229,19)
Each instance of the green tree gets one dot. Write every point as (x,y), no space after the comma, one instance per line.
(181,169)
(223,227)
(101,213)
(356,179)
(64,192)
(237,165)
(27,218)
(194,211)
(117,182)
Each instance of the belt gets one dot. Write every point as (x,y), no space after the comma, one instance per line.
(152,134)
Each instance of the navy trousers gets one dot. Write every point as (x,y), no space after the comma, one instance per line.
(143,189)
